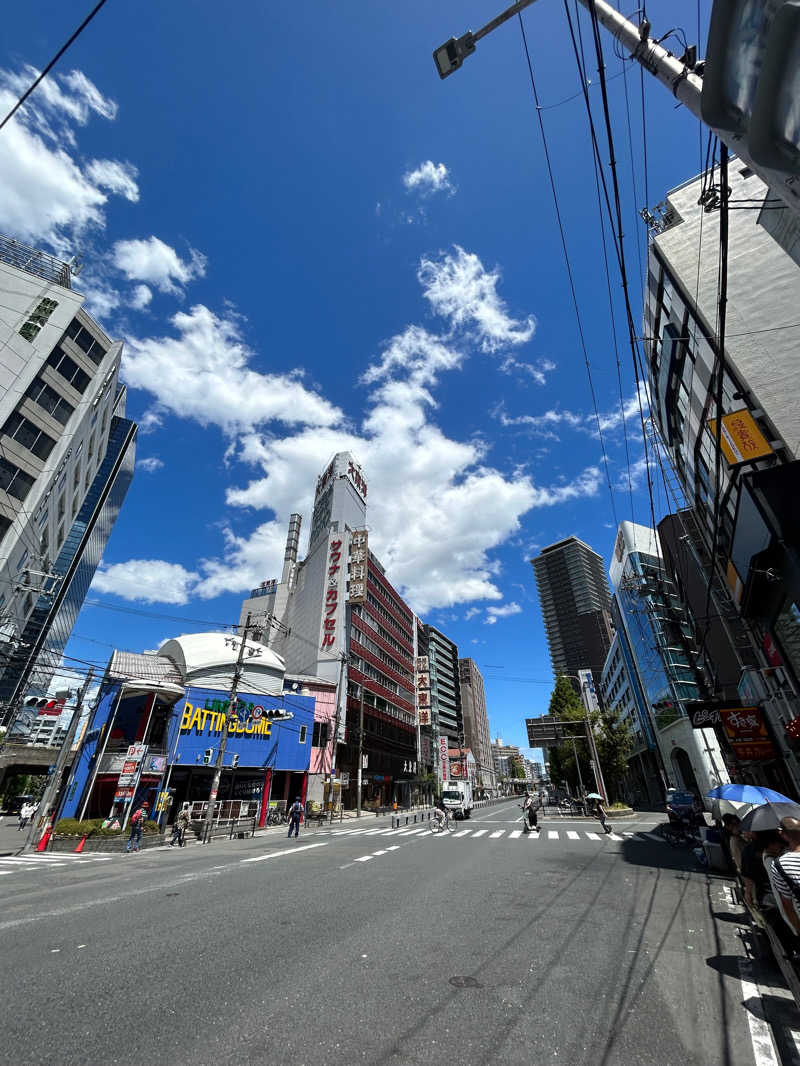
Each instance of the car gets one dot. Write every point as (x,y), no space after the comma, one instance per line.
(14,803)
(680,805)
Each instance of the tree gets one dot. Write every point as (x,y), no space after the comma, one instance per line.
(614,746)
(565,703)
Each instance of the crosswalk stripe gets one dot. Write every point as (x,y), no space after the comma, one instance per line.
(499,833)
(593,836)
(613,836)
(552,834)
(516,833)
(479,833)
(463,833)
(572,835)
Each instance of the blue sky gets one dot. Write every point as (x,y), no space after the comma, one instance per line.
(309,243)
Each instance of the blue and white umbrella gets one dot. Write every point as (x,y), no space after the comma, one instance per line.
(755,794)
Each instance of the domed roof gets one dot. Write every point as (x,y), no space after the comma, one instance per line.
(199,652)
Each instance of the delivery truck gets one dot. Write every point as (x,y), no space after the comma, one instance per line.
(457,798)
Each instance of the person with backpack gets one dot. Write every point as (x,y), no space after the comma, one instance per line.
(137,828)
(295,813)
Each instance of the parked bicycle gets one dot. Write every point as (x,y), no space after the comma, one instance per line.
(277,816)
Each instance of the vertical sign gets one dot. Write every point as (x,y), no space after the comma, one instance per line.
(332,623)
(423,690)
(357,566)
(444,759)
(588,693)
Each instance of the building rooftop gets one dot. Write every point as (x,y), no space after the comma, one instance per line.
(35,262)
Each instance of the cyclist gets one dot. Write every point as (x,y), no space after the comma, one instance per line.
(440,811)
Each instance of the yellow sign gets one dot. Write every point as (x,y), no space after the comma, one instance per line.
(198,717)
(741,439)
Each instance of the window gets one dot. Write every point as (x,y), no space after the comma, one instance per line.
(44,544)
(37,318)
(61,506)
(29,436)
(60,535)
(68,369)
(5,525)
(303,733)
(74,504)
(22,560)
(43,517)
(87,344)
(15,481)
(90,449)
(49,400)
(319,737)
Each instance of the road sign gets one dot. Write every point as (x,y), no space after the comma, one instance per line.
(545,732)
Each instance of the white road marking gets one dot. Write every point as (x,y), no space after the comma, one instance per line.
(479,833)
(377,853)
(572,835)
(652,836)
(363,858)
(516,833)
(394,847)
(286,851)
(593,836)
(463,833)
(613,836)
(498,833)
(552,834)
(5,872)
(763,1048)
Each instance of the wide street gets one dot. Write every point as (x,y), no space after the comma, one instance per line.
(360,943)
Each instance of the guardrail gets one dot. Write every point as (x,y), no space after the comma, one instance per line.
(229,827)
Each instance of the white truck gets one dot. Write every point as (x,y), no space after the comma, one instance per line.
(457,798)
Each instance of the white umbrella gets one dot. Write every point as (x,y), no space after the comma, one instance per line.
(722,806)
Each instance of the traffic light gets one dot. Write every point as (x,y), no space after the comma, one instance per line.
(235,760)
(207,756)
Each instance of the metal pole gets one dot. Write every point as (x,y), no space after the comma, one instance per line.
(234,694)
(360,751)
(109,727)
(51,791)
(163,787)
(337,720)
(129,807)
(578,765)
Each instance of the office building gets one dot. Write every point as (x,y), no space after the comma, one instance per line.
(756,571)
(66,461)
(649,676)
(476,724)
(576,606)
(445,689)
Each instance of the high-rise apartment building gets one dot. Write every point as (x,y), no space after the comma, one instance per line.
(476,723)
(648,675)
(743,526)
(445,689)
(576,606)
(66,461)
(335,615)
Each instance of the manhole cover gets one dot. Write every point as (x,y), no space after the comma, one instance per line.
(465,982)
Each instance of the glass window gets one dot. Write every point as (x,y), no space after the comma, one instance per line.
(68,369)
(49,400)
(15,481)
(303,734)
(29,436)
(91,347)
(787,630)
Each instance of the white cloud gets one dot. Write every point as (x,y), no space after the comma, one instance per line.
(538,370)
(149,464)
(101,299)
(428,178)
(153,261)
(507,609)
(471,613)
(146,581)
(416,351)
(140,298)
(46,195)
(203,371)
(119,178)
(458,287)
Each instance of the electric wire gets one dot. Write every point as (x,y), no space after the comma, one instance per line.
(52,63)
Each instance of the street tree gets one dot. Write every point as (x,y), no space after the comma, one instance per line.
(614,746)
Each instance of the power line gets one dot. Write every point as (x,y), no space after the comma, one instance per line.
(568,265)
(52,63)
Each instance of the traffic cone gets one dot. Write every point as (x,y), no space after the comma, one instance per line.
(79,848)
(44,840)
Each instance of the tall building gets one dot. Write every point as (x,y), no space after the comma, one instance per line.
(752,553)
(66,461)
(476,723)
(445,689)
(649,677)
(336,616)
(576,606)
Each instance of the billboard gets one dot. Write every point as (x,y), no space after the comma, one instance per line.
(740,439)
(357,566)
(331,630)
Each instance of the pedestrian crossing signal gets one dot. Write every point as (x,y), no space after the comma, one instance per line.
(207,754)
(235,760)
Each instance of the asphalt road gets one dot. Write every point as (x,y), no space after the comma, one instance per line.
(375,947)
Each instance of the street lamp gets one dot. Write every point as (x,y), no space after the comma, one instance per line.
(449,56)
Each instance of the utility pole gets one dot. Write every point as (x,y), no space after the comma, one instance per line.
(336,722)
(51,791)
(232,699)
(360,750)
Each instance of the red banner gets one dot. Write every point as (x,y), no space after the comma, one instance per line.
(747,731)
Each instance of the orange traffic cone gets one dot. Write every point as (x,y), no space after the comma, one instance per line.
(79,848)
(44,840)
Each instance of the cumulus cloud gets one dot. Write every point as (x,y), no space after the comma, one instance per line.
(203,371)
(507,609)
(428,178)
(538,370)
(149,464)
(545,423)
(47,195)
(153,261)
(471,613)
(146,581)
(140,298)
(459,287)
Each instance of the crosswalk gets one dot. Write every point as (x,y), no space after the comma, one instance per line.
(12,864)
(488,836)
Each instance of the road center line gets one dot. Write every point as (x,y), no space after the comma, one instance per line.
(286,851)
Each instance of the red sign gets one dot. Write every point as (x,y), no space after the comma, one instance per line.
(771,651)
(332,595)
(747,732)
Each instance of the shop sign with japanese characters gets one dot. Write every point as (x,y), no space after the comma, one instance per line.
(333,597)
(357,566)
(747,732)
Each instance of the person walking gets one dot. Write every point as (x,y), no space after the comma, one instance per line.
(179,828)
(137,827)
(600,814)
(785,874)
(530,817)
(295,812)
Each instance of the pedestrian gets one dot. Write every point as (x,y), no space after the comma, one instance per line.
(785,874)
(180,827)
(600,813)
(295,811)
(731,827)
(529,815)
(26,812)
(137,827)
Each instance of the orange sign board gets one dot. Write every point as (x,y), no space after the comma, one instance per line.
(741,439)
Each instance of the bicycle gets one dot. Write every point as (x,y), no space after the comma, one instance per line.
(441,822)
(277,817)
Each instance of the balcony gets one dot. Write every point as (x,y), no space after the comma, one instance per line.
(35,262)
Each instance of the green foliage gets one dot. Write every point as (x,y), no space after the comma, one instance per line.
(614,746)
(565,701)
(94,827)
